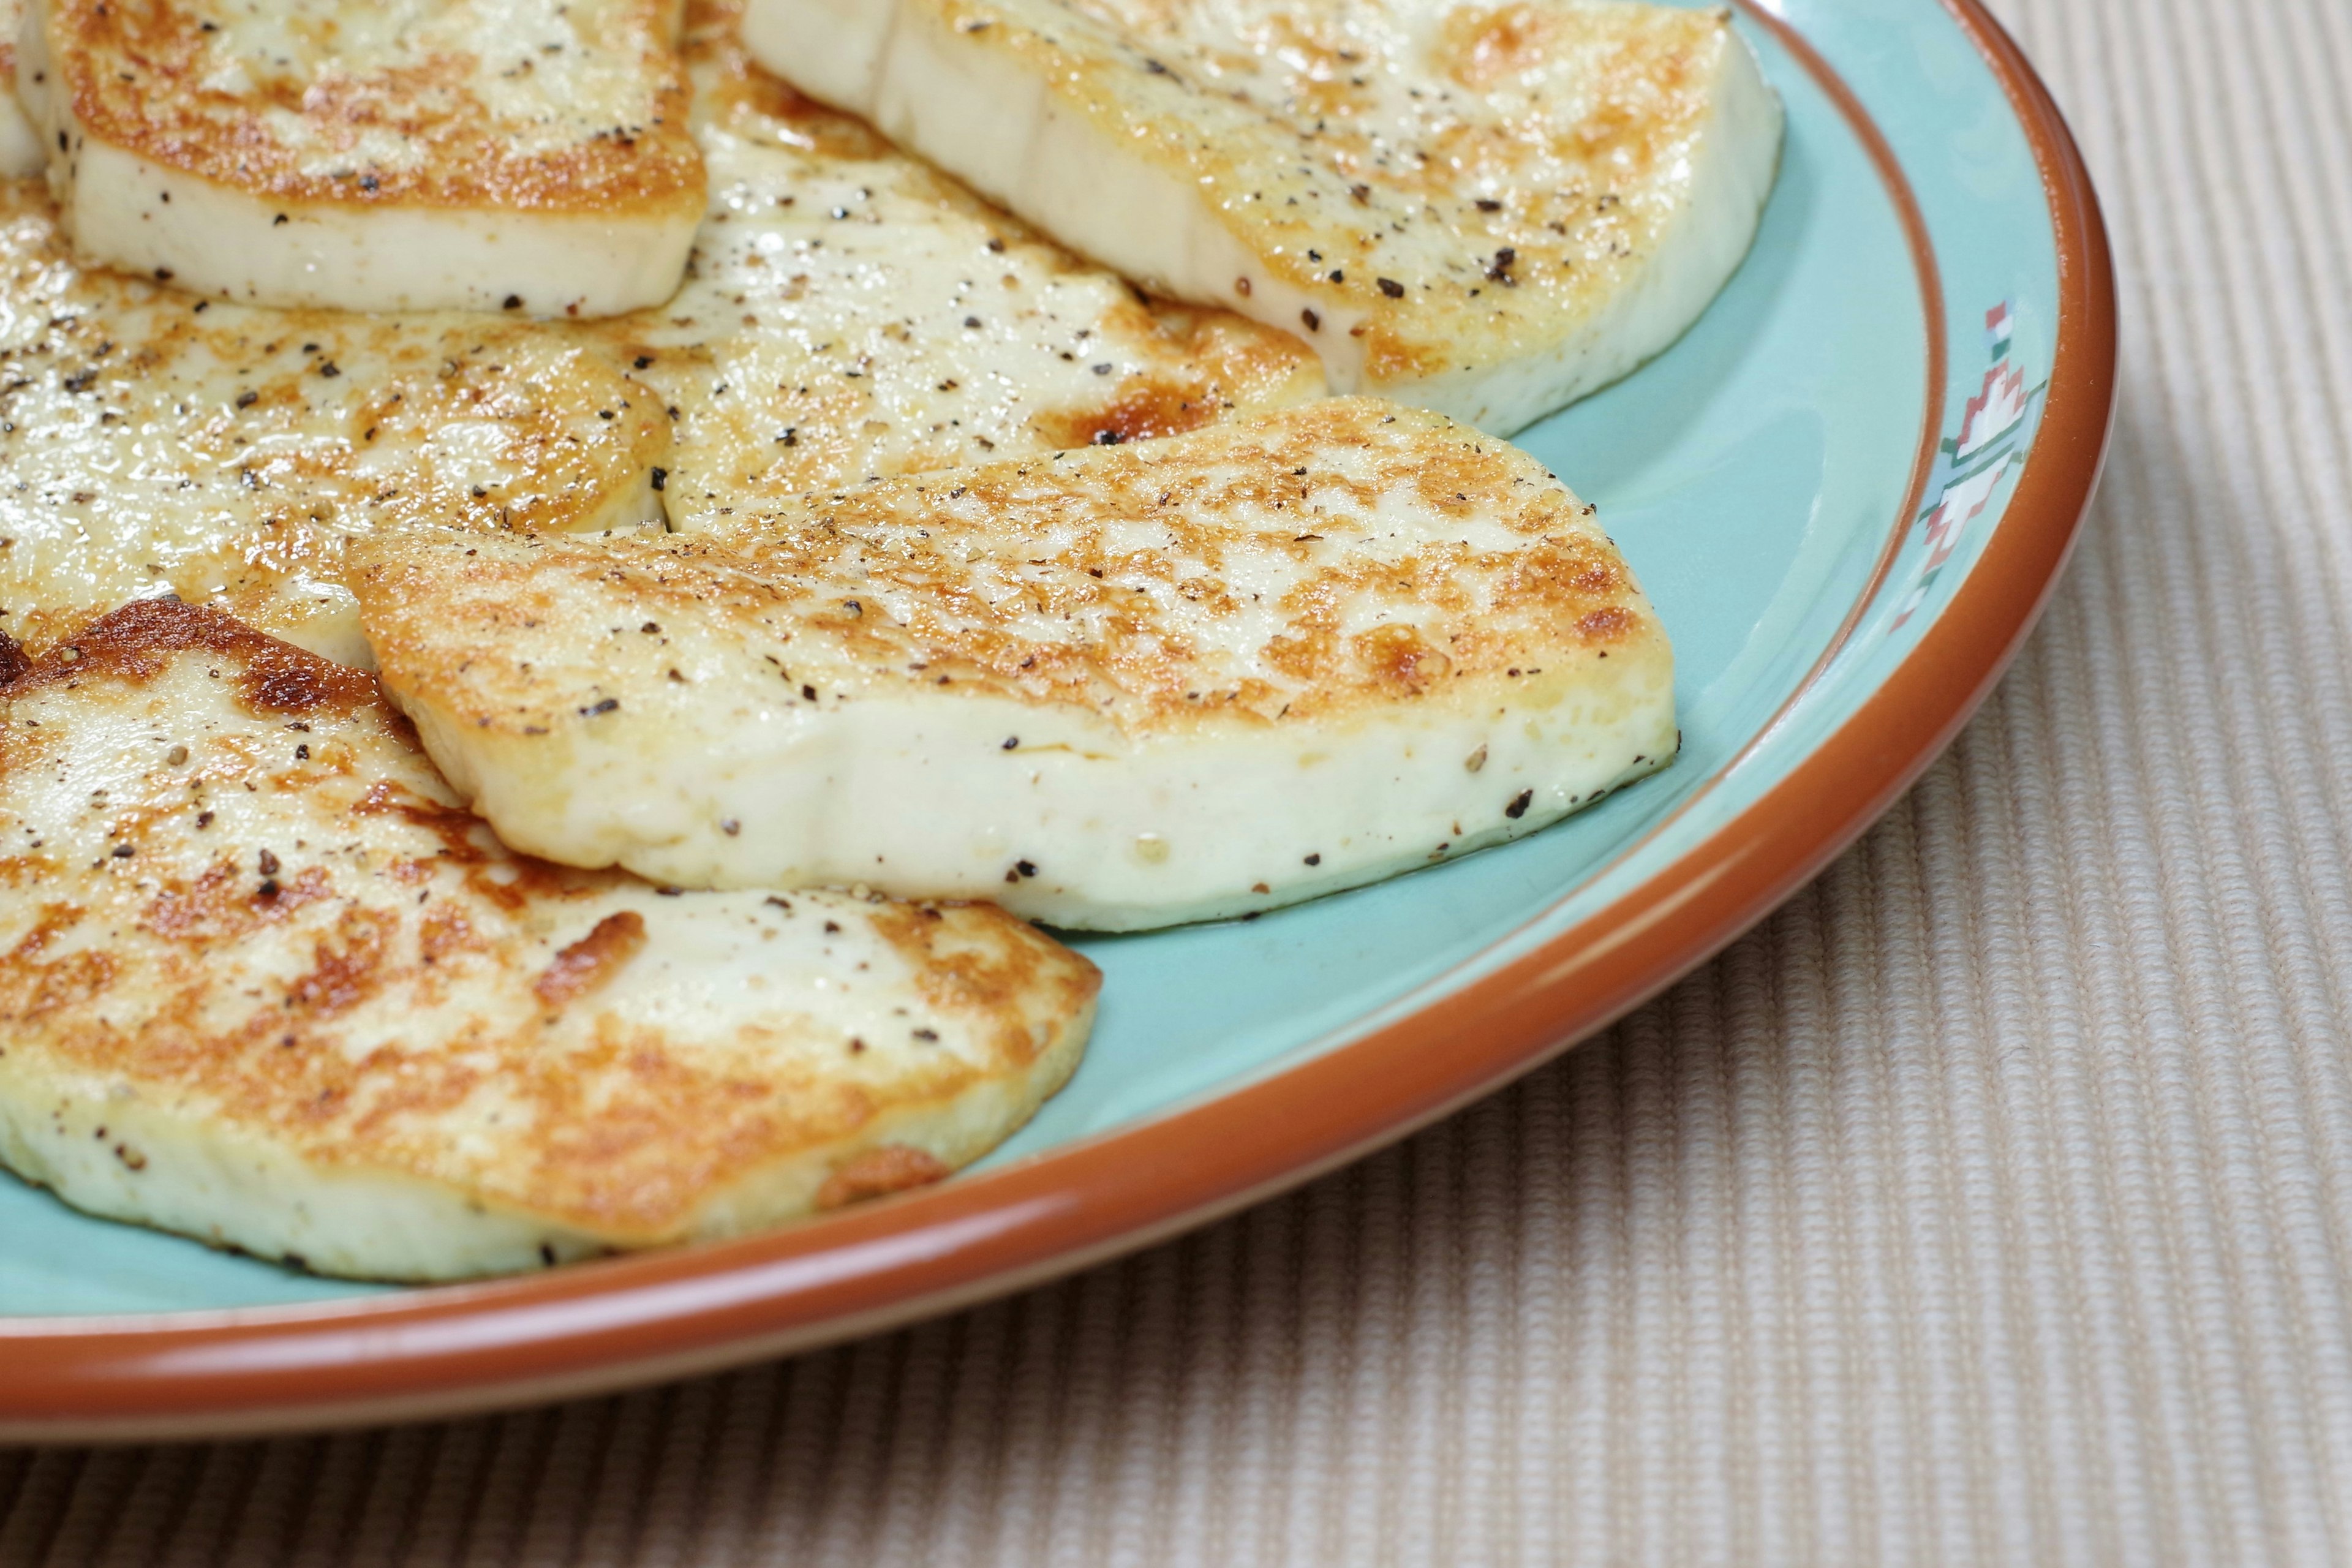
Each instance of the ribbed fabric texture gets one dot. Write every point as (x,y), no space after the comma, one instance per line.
(1988,1204)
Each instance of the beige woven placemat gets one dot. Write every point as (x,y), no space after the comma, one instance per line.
(1989,1203)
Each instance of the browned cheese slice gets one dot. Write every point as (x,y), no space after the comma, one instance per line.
(1113,689)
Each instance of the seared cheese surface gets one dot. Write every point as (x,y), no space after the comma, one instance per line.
(263,982)
(152,442)
(1485,209)
(1111,689)
(411,155)
(849,312)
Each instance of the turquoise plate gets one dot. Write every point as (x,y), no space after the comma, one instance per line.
(1848,490)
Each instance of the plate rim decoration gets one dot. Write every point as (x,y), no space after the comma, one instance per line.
(600,1327)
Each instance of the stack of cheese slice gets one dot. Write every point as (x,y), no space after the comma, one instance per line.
(153,441)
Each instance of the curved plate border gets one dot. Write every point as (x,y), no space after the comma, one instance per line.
(600,1327)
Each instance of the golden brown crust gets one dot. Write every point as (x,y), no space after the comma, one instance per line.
(986,963)
(877,1174)
(593,960)
(14,662)
(1212,363)
(144,76)
(134,645)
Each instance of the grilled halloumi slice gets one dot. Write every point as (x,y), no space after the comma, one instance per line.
(152,442)
(1486,209)
(850,312)
(1113,689)
(264,983)
(530,155)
